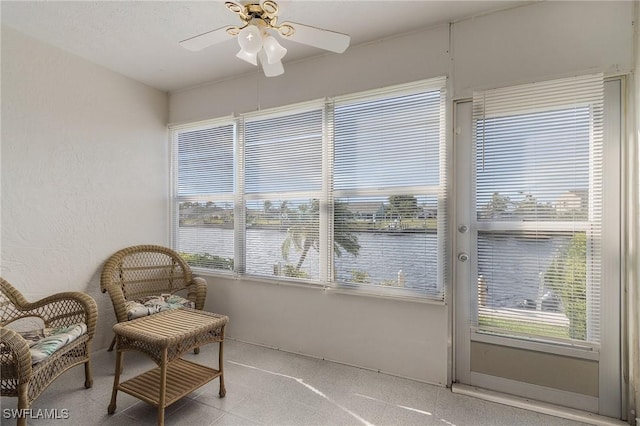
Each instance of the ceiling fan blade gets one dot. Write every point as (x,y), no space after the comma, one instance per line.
(207,39)
(316,37)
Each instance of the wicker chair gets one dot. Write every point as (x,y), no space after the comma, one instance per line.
(148,270)
(21,378)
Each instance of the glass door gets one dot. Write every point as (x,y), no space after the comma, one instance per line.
(537,275)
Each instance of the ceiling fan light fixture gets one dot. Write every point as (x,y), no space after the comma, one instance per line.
(252,58)
(250,39)
(270,69)
(259,21)
(274,51)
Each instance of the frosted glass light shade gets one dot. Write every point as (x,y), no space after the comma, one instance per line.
(275,52)
(270,70)
(250,40)
(252,58)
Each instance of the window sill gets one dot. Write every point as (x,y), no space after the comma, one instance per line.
(381,293)
(386,294)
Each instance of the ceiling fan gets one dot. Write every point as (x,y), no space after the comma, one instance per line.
(259,22)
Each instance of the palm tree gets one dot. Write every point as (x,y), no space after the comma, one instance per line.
(304,233)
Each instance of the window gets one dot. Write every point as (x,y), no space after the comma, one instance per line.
(538,187)
(388,190)
(283,183)
(349,192)
(204,194)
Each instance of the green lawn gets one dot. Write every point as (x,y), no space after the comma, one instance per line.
(526,327)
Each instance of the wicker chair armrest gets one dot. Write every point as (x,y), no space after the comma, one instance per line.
(197,291)
(64,309)
(118,300)
(15,356)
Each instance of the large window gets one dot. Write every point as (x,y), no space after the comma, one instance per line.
(539,207)
(388,189)
(204,163)
(349,192)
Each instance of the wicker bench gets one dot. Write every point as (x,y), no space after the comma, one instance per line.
(165,337)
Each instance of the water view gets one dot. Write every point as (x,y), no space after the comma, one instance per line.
(383,257)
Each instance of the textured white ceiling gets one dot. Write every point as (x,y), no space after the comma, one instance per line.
(139,39)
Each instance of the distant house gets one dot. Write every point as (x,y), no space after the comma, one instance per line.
(367,210)
(573,201)
(428,213)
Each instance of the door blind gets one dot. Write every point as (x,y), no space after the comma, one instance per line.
(538,202)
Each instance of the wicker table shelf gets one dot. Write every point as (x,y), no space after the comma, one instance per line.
(165,337)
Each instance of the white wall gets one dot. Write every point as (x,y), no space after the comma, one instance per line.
(356,330)
(538,41)
(542,41)
(84,170)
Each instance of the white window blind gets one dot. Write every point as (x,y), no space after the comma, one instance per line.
(283,177)
(389,189)
(538,188)
(348,192)
(204,193)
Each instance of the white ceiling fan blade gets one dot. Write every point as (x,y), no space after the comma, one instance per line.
(207,39)
(316,37)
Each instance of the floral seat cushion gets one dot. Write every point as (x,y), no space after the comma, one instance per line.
(154,304)
(46,341)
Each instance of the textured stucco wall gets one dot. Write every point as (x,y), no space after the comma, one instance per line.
(84,170)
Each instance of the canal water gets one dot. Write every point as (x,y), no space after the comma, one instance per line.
(389,256)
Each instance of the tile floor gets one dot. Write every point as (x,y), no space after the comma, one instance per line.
(270,387)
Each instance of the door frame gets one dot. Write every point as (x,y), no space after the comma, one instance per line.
(610,400)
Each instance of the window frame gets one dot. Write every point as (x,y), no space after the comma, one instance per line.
(176,198)
(240,233)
